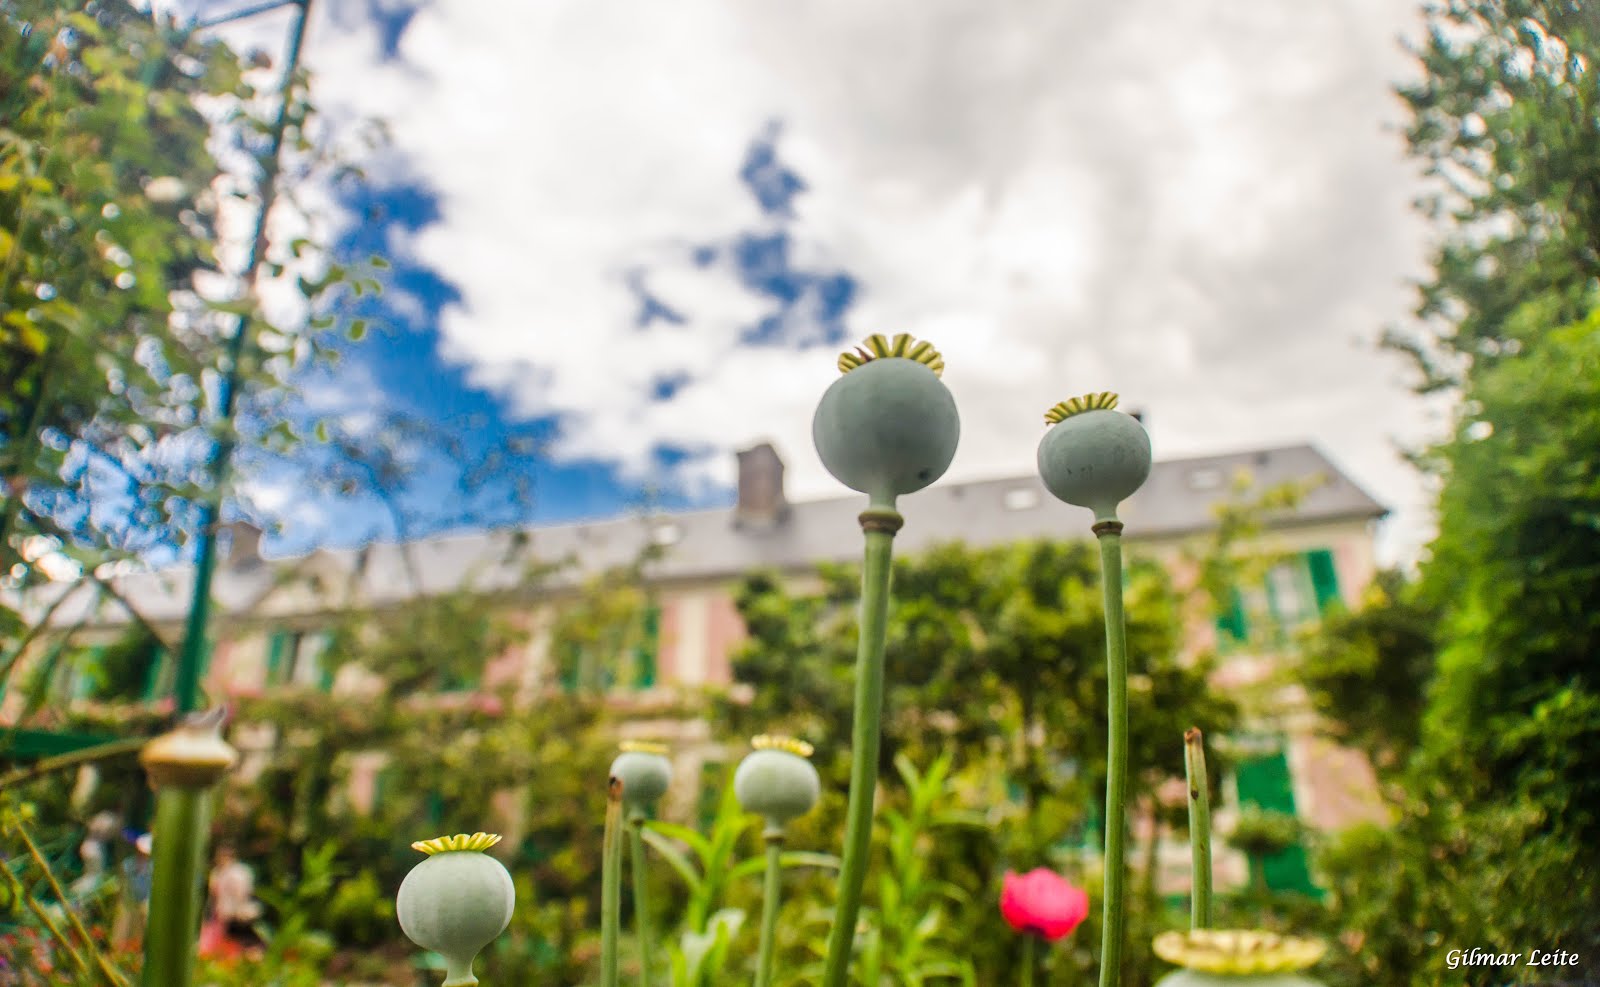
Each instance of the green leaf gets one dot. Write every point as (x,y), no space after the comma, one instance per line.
(673,856)
(683,834)
(789,858)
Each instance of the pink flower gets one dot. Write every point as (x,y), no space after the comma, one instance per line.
(1042,902)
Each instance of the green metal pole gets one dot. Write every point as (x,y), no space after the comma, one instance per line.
(1194,763)
(186,690)
(184,766)
(1110,535)
(879,522)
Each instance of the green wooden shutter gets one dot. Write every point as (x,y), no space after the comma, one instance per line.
(1232,627)
(644,674)
(155,672)
(571,666)
(1324,578)
(277,647)
(324,666)
(1264,782)
(1274,616)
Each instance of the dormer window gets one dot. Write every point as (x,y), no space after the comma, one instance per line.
(1205,479)
(1021,498)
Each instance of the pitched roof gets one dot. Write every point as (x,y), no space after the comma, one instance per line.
(1179,498)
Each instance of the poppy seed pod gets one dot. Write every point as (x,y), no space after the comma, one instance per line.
(1237,958)
(456,902)
(889,425)
(776,780)
(1093,456)
(645,773)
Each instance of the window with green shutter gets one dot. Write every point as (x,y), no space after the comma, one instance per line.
(296,658)
(1263,781)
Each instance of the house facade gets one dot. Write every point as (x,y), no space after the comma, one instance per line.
(271,616)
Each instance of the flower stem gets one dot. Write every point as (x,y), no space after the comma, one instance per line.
(1194,765)
(641,900)
(182,818)
(611,885)
(879,522)
(1028,940)
(772,885)
(1110,536)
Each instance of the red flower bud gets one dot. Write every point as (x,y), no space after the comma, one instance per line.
(1043,902)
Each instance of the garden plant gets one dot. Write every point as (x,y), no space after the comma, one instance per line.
(887,428)
(1470,685)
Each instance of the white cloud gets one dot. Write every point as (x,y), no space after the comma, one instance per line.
(1197,205)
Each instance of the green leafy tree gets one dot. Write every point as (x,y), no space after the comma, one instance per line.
(1367,671)
(1505,118)
(999,651)
(111,324)
(1501,796)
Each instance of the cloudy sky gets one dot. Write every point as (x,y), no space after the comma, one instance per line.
(643,231)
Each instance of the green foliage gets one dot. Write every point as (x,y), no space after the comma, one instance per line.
(911,936)
(1500,794)
(438,646)
(1366,671)
(977,638)
(1505,119)
(109,320)
(124,666)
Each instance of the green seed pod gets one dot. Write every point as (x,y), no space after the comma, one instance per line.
(889,425)
(776,780)
(456,902)
(645,773)
(1235,958)
(1093,456)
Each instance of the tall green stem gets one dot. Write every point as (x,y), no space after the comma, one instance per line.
(879,522)
(641,899)
(1028,961)
(182,815)
(772,885)
(611,886)
(1110,536)
(1194,765)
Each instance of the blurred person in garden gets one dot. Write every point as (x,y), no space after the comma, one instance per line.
(134,905)
(234,908)
(92,851)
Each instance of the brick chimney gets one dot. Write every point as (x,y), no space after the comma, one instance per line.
(244,544)
(761,502)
